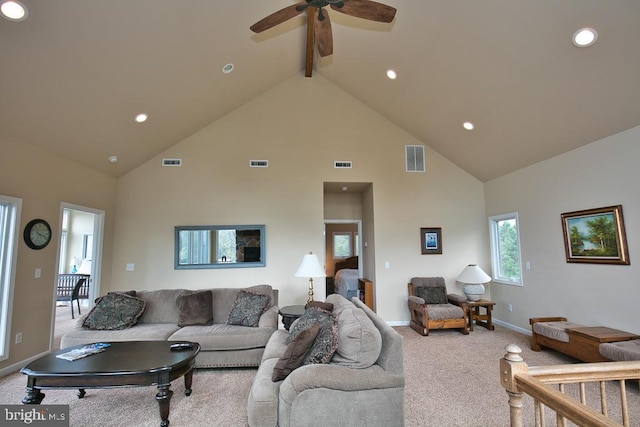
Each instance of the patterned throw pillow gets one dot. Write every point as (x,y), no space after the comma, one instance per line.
(295,353)
(248,308)
(114,311)
(326,342)
(195,309)
(431,295)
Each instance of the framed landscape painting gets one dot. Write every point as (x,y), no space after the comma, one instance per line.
(595,236)
(431,240)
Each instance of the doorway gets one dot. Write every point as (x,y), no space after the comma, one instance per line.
(79,252)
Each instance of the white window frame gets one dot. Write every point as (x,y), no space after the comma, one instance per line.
(9,232)
(495,249)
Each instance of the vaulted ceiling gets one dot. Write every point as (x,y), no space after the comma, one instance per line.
(75,73)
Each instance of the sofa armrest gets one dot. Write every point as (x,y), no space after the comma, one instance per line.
(335,377)
(415,300)
(459,300)
(269,318)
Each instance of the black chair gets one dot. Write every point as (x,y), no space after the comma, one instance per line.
(73,287)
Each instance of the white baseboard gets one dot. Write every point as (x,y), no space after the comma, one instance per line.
(512,327)
(7,370)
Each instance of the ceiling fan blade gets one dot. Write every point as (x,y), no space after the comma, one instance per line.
(367,9)
(278,17)
(323,34)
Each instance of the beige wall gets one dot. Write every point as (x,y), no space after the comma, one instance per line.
(301,127)
(43,181)
(604,173)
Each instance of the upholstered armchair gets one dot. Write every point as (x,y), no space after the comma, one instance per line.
(432,308)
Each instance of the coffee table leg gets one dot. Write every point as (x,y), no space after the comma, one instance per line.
(164,397)
(34,396)
(188,379)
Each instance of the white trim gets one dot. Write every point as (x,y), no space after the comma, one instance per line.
(493,239)
(7,281)
(511,326)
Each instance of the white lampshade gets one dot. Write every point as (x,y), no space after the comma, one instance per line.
(473,274)
(85,267)
(310,267)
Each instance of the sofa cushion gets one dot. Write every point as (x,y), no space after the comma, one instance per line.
(247,309)
(295,353)
(445,311)
(114,311)
(431,295)
(161,305)
(140,332)
(554,330)
(621,350)
(223,337)
(195,309)
(359,341)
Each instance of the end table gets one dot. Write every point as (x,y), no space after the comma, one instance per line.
(481,319)
(290,313)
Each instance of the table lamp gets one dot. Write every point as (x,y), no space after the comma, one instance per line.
(310,267)
(473,277)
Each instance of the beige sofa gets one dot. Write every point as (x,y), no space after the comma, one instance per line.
(222,345)
(362,385)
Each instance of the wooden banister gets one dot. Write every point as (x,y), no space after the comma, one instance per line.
(519,380)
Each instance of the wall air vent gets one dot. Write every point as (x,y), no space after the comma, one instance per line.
(343,164)
(414,156)
(171,162)
(258,163)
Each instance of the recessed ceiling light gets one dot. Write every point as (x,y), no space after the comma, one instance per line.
(585,37)
(113,159)
(141,118)
(14,10)
(227,68)
(391,74)
(468,125)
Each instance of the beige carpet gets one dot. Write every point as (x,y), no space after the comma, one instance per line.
(451,380)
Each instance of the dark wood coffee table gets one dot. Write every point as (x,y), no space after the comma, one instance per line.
(123,364)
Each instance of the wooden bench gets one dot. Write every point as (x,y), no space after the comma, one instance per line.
(577,341)
(72,287)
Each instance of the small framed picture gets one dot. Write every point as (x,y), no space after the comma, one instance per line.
(431,241)
(595,236)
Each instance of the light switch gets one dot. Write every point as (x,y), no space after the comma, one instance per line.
(527,265)
(387,264)
(130,266)
(38,273)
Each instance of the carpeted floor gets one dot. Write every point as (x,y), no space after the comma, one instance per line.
(451,380)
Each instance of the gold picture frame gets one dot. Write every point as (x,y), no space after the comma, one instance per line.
(595,236)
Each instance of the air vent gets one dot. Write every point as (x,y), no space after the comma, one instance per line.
(414,155)
(171,162)
(258,163)
(343,164)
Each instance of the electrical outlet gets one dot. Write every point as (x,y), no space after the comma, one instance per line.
(509,307)
(18,337)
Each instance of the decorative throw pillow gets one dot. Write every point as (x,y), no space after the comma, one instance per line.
(323,305)
(326,342)
(247,309)
(131,293)
(114,311)
(295,353)
(431,295)
(195,309)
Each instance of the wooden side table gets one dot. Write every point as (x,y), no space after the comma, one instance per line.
(290,313)
(481,319)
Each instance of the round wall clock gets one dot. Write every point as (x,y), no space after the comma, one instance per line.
(37,234)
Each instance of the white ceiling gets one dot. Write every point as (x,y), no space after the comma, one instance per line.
(74,74)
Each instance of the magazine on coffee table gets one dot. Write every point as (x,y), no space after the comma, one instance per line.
(84,351)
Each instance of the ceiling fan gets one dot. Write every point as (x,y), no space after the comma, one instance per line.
(319,24)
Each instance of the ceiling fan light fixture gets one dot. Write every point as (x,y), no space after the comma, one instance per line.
(13,10)
(585,37)
(392,75)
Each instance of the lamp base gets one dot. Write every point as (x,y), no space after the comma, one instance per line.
(473,292)
(310,291)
